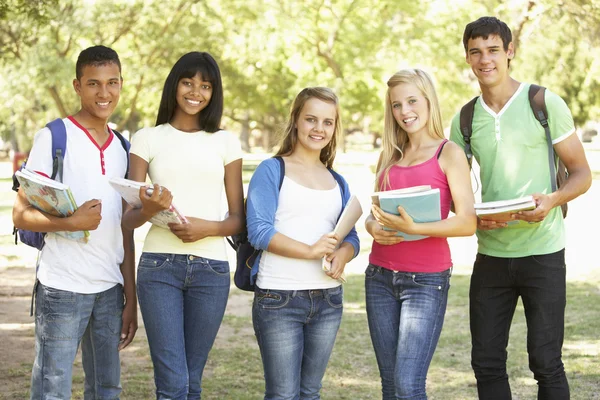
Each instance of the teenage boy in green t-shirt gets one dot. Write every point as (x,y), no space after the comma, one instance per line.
(510,146)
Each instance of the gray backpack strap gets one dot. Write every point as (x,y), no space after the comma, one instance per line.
(538,107)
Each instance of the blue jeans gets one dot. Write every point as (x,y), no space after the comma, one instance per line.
(406,312)
(296,330)
(496,285)
(182,299)
(63,320)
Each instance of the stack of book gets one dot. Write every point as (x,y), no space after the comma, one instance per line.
(502,210)
(422,203)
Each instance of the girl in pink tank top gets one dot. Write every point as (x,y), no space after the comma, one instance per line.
(407,282)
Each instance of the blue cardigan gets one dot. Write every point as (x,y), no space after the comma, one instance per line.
(262,203)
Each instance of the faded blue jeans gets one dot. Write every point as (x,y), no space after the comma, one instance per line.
(182,299)
(406,312)
(64,319)
(296,330)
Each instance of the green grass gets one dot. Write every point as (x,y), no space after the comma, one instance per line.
(234,369)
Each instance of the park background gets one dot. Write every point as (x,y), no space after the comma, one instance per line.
(267,51)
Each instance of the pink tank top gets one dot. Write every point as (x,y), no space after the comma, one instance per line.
(425,255)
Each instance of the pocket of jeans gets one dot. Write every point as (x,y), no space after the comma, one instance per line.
(371,271)
(59,305)
(335,298)
(219,267)
(552,260)
(153,261)
(433,281)
(268,299)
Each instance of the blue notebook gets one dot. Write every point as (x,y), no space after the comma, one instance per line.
(421,206)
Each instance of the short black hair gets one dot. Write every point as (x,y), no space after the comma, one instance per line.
(188,66)
(96,56)
(485,27)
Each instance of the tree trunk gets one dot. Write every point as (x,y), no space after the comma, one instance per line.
(57,100)
(265,136)
(245,134)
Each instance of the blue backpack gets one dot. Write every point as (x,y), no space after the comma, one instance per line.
(59,149)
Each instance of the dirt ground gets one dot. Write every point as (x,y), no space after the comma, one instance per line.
(17,331)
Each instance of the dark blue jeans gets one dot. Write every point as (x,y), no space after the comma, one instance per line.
(182,299)
(496,285)
(64,319)
(406,312)
(296,330)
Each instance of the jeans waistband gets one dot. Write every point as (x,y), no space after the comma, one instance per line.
(386,271)
(181,258)
(303,293)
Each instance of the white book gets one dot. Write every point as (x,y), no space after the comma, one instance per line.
(352,212)
(130,192)
(502,210)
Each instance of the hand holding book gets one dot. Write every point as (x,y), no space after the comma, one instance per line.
(335,261)
(402,222)
(86,217)
(56,198)
(504,213)
(155,199)
(543,205)
(194,229)
(402,209)
(159,201)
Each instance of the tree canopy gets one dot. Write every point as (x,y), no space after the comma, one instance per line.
(270,49)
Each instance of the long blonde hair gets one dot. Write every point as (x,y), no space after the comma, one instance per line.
(290,134)
(394,137)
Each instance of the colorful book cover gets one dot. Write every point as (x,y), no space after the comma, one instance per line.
(130,192)
(422,206)
(52,197)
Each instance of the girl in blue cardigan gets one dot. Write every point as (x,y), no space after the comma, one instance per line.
(297,306)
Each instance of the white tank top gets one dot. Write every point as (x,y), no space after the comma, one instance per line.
(305,215)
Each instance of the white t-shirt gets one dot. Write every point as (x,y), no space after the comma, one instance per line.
(305,215)
(65,264)
(192,167)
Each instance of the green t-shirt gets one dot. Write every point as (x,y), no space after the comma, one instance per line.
(512,153)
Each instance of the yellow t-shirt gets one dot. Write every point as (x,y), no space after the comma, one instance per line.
(192,167)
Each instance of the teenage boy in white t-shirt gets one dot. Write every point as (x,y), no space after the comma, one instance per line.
(86,291)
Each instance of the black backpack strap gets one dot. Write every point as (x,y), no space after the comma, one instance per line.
(466,127)
(281,170)
(126,145)
(538,106)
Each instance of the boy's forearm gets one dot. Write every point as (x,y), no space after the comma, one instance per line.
(27,217)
